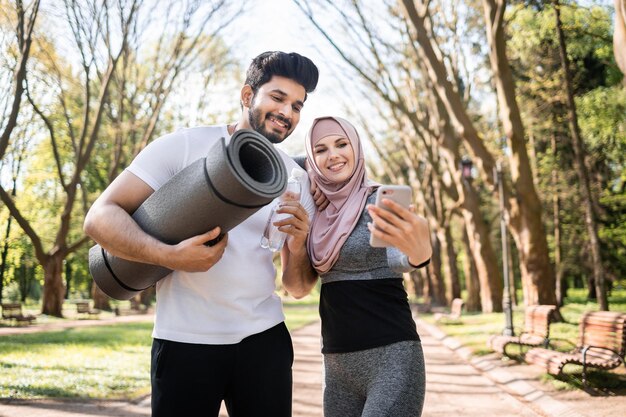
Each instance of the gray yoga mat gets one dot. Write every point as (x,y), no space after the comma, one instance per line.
(234,181)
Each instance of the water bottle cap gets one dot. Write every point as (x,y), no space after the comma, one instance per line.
(297,173)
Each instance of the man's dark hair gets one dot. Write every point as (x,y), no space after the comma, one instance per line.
(289,65)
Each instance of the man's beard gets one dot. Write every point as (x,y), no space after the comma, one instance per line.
(256,120)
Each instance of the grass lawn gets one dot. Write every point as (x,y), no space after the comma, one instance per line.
(90,362)
(475,328)
(110,362)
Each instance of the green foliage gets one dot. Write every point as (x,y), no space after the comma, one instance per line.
(601,105)
(602,123)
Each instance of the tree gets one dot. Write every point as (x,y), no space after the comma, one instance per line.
(619,35)
(392,67)
(523,207)
(538,70)
(581,169)
(26,16)
(73,103)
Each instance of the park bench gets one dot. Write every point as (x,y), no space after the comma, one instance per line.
(536,331)
(83,307)
(13,311)
(601,346)
(456,308)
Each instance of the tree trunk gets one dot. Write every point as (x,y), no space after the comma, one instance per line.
(416,279)
(524,212)
(489,275)
(453,288)
(3,257)
(581,168)
(447,268)
(472,284)
(68,279)
(556,220)
(436,290)
(53,288)
(619,36)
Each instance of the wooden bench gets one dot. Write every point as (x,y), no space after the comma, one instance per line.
(13,311)
(83,307)
(536,331)
(456,308)
(602,345)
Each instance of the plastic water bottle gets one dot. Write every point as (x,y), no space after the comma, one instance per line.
(273,239)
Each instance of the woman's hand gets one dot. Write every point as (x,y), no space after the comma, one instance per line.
(402,229)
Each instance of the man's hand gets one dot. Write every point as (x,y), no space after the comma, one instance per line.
(296,226)
(193,255)
(402,229)
(321,202)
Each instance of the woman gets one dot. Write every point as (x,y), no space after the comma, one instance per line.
(373,358)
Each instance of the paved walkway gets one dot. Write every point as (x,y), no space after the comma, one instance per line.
(457,385)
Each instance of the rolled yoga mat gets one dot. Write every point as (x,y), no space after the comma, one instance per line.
(234,181)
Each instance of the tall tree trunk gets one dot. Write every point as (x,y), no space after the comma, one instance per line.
(556,220)
(5,253)
(489,278)
(581,169)
(68,279)
(416,279)
(5,247)
(453,288)
(487,275)
(483,254)
(53,289)
(524,214)
(619,36)
(436,290)
(472,285)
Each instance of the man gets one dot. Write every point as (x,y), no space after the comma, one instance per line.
(219,331)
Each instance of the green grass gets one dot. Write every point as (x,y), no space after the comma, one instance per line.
(110,362)
(95,362)
(475,328)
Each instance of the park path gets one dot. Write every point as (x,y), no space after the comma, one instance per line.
(457,385)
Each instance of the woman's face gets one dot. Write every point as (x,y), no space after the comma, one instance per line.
(334,158)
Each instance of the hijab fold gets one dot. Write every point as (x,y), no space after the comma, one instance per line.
(331,227)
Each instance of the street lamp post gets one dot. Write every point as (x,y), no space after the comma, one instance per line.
(506,299)
(466,168)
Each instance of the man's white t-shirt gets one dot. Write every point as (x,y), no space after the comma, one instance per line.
(235,298)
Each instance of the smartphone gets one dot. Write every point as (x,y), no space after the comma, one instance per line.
(401,194)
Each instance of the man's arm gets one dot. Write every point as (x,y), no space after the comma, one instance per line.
(299,277)
(109,223)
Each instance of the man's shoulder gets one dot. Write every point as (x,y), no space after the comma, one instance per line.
(203,132)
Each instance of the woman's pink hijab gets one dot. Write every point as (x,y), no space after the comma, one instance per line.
(330,228)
